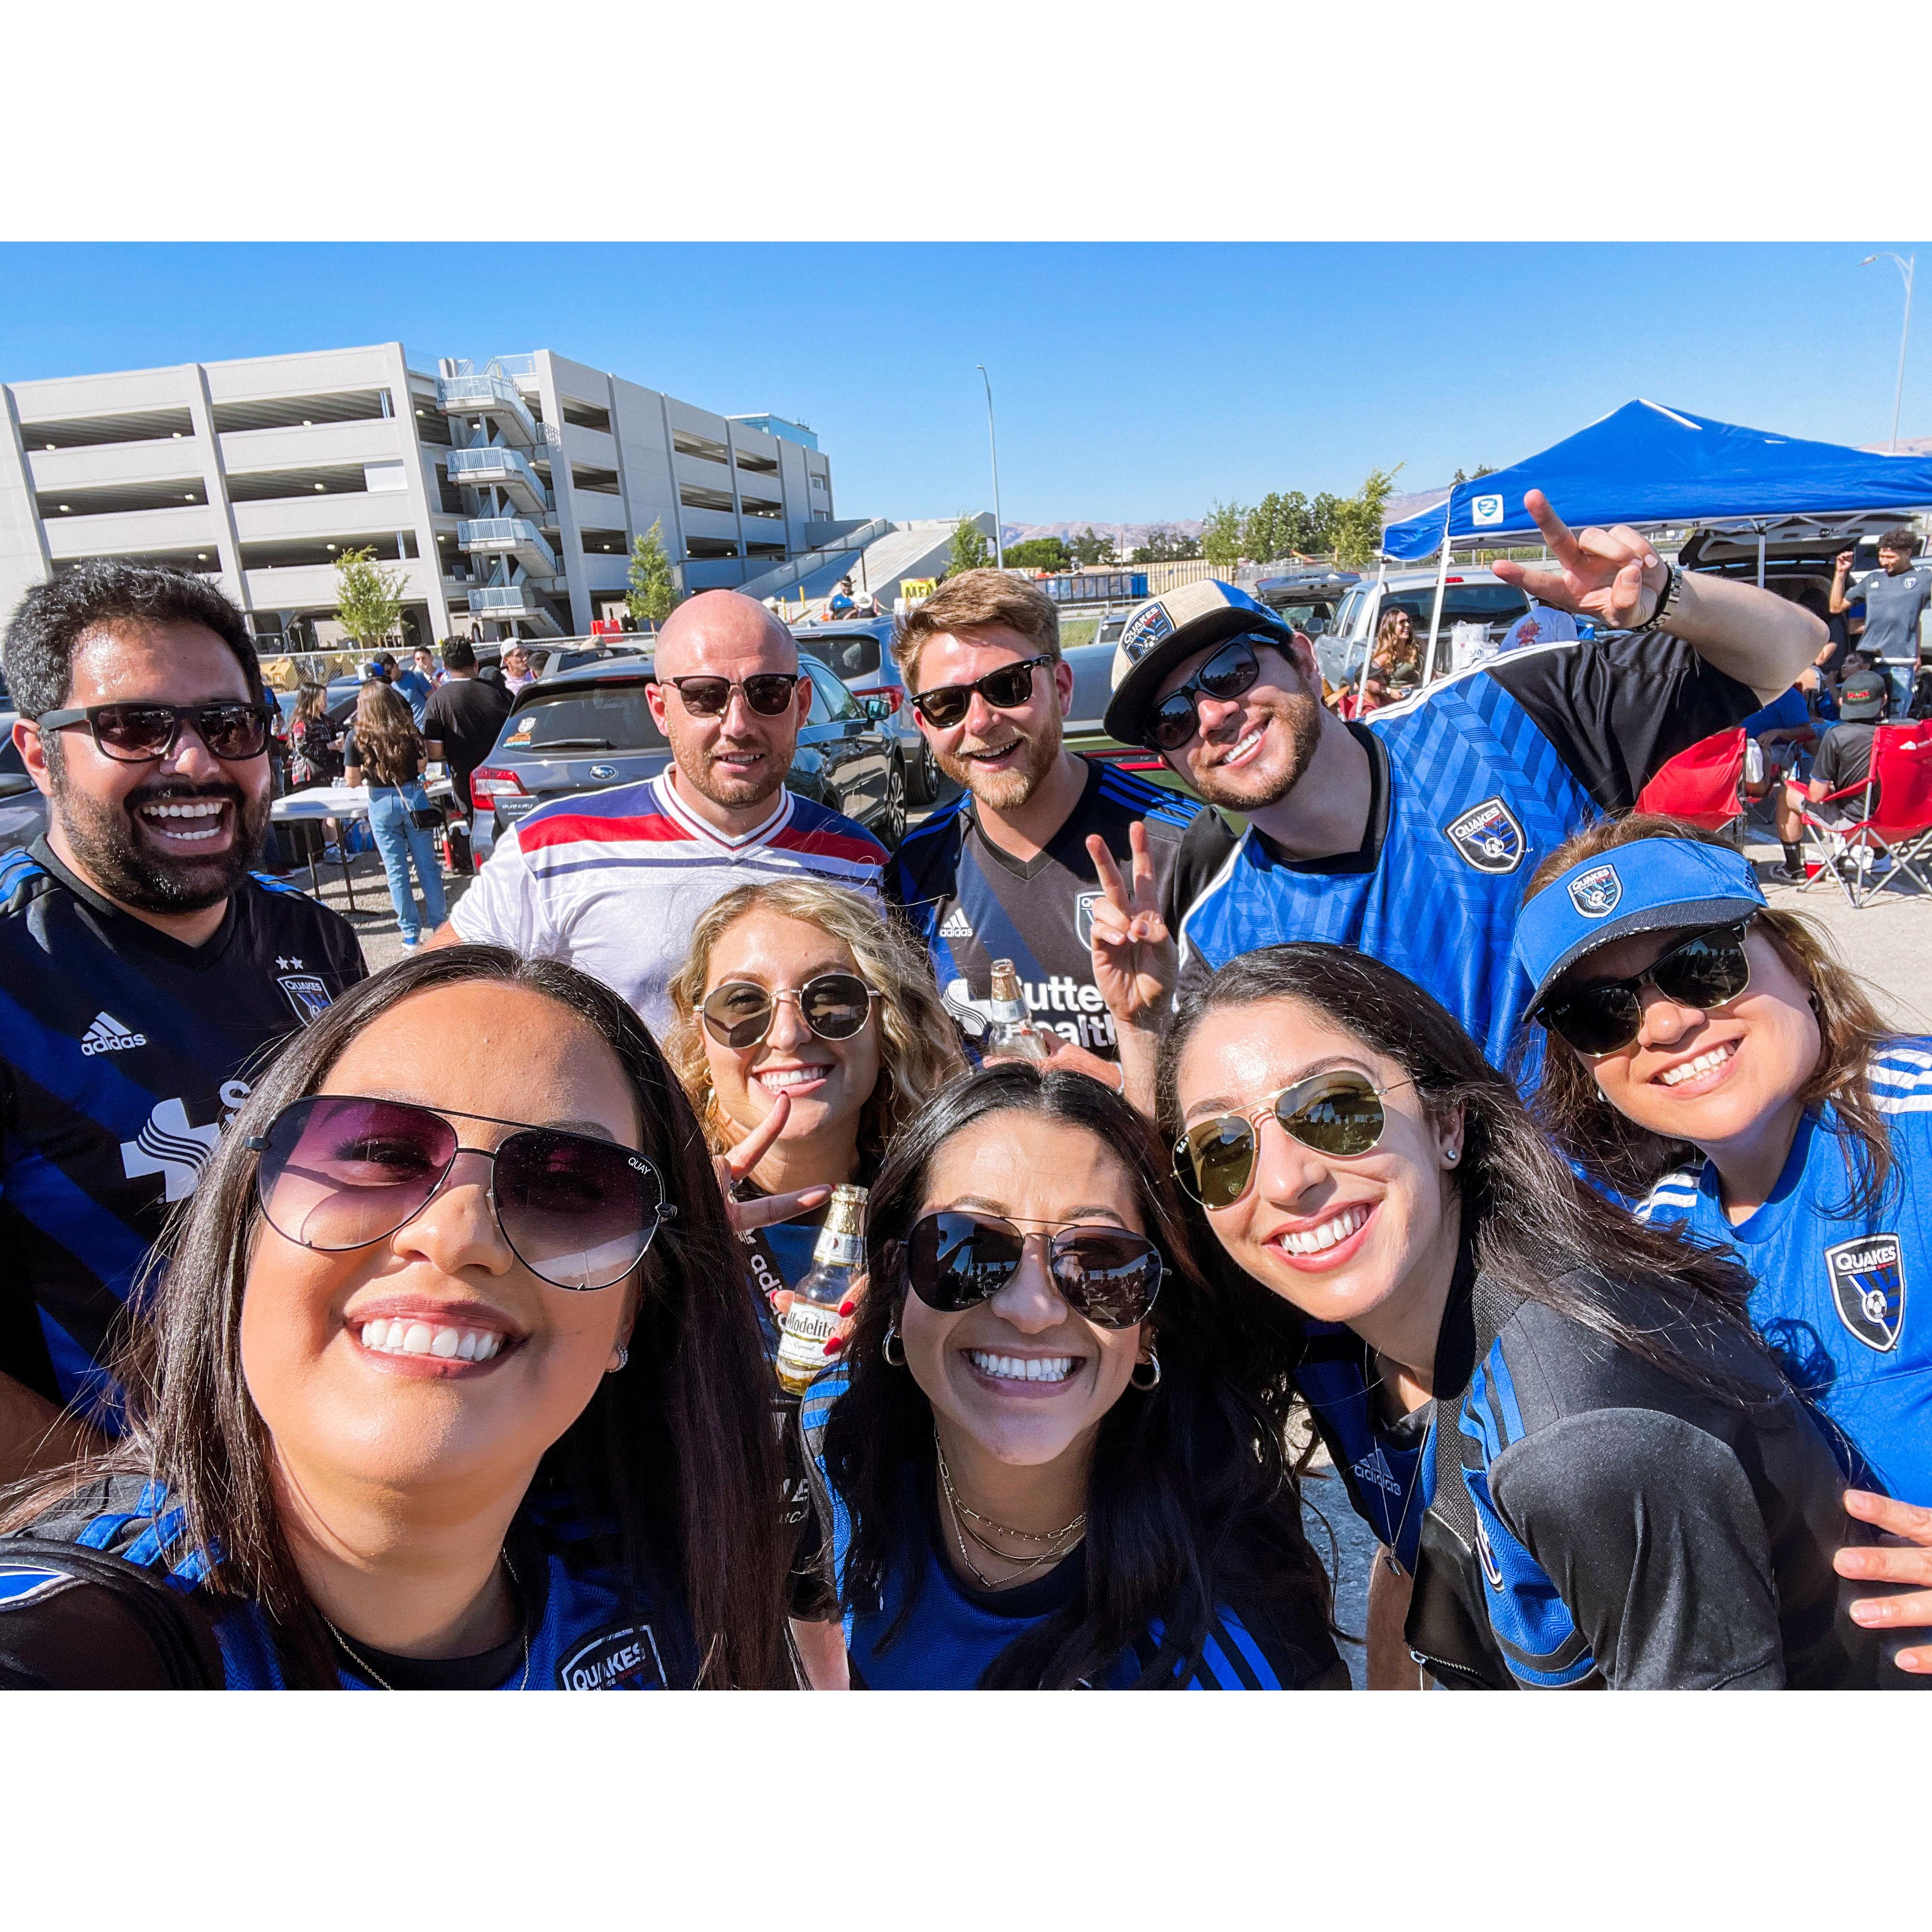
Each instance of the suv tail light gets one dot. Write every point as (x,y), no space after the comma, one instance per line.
(486,782)
(891,693)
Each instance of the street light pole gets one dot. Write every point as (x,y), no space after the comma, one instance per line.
(992,443)
(1905,267)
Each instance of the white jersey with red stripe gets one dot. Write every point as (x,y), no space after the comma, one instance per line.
(614,881)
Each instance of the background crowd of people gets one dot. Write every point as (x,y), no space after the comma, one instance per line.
(414,1330)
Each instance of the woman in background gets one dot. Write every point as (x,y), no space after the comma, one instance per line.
(385,751)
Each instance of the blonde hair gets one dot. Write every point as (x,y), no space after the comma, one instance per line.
(971,601)
(919,1049)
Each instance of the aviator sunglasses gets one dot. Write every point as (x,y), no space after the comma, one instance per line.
(1705,971)
(1006,689)
(1107,1276)
(835,1006)
(338,1171)
(1232,670)
(1340,1115)
(140,733)
(769,693)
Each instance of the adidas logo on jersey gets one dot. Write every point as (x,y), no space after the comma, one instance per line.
(107,1035)
(956,926)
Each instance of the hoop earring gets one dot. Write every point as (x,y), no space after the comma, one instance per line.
(891,1360)
(1153,1381)
(623,1357)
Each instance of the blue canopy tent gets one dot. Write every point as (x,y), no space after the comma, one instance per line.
(1644,464)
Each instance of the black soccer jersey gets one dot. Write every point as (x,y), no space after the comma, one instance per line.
(123,1055)
(972,903)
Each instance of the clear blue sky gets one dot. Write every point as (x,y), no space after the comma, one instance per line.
(1132,382)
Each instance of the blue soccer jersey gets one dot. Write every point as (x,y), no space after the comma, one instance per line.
(123,1055)
(1834,1291)
(954,1632)
(1476,782)
(584,1632)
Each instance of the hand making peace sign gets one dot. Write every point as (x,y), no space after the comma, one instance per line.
(732,1168)
(1614,576)
(1135,957)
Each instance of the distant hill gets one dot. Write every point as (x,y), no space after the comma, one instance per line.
(1126,536)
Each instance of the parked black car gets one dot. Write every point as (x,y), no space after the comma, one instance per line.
(588,730)
(860,650)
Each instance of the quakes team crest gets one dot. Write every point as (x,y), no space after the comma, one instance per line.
(1083,916)
(307,993)
(1867,1278)
(1489,836)
(1145,629)
(1596,893)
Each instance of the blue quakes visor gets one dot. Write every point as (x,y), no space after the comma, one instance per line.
(1652,885)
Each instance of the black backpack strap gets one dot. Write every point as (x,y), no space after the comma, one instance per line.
(73,1618)
(1472,1323)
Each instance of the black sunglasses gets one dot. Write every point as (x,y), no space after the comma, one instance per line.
(140,732)
(1230,671)
(339,1171)
(1105,1275)
(1338,1114)
(1704,970)
(1006,689)
(768,694)
(835,1006)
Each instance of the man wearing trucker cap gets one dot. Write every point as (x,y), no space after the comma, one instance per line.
(1411,835)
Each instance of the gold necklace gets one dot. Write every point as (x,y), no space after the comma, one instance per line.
(382,1683)
(1057,1548)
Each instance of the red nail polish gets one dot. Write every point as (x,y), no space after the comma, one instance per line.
(846,1306)
(837,1342)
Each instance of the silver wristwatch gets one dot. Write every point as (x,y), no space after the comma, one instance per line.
(1666,600)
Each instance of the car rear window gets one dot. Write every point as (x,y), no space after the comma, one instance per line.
(1462,604)
(597,718)
(850,653)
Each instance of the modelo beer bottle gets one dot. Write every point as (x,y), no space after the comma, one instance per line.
(1012,1036)
(812,1319)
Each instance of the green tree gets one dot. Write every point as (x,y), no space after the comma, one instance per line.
(1164,545)
(1322,523)
(1482,469)
(1358,520)
(653,594)
(1089,551)
(971,550)
(1221,535)
(1277,527)
(1038,553)
(368,599)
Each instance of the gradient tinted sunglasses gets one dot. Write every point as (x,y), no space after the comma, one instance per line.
(1232,670)
(835,1006)
(1338,1114)
(1106,1275)
(140,732)
(1704,970)
(1006,689)
(769,693)
(340,1171)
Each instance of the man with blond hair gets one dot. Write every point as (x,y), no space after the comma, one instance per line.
(1012,868)
(614,881)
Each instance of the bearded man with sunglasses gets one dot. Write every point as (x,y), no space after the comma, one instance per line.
(1012,870)
(145,972)
(614,881)
(1411,835)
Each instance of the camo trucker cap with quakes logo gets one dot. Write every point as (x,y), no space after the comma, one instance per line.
(1168,628)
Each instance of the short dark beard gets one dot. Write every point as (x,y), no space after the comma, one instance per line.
(1301,710)
(108,845)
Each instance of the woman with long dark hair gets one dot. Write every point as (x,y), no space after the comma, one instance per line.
(1045,1469)
(386,751)
(1712,1054)
(452,1382)
(1560,1424)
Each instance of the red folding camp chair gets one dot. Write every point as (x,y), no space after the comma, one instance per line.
(1897,829)
(1701,784)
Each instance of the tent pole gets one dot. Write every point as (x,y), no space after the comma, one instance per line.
(1441,582)
(1760,556)
(1369,650)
